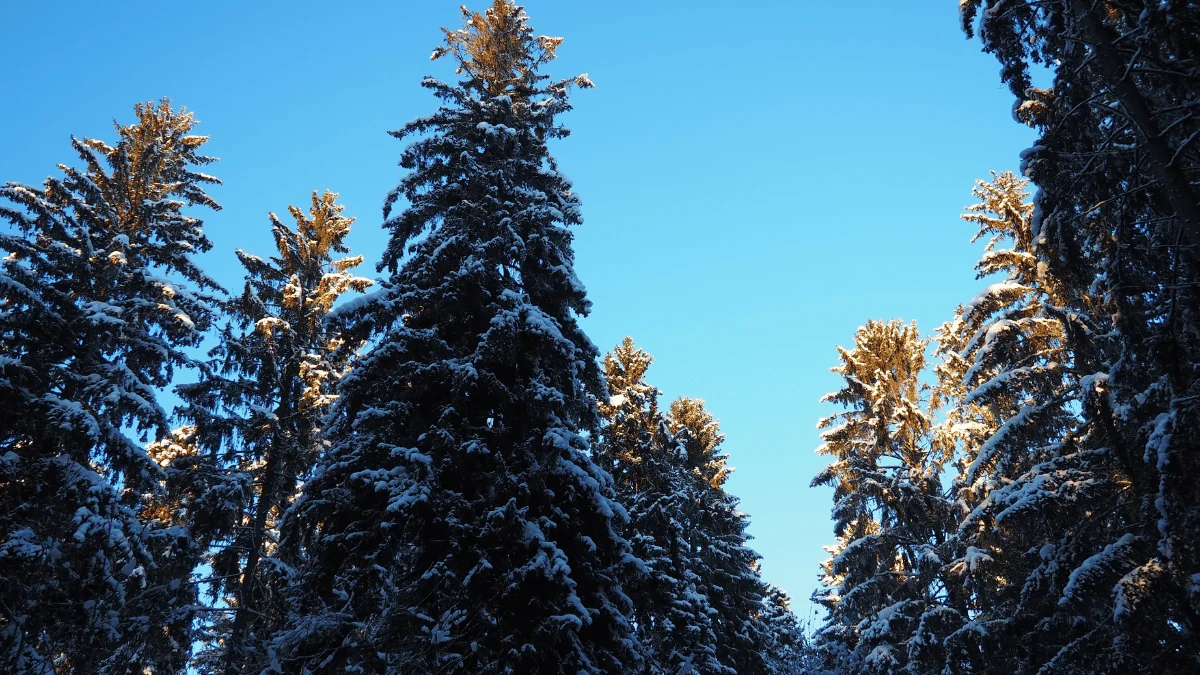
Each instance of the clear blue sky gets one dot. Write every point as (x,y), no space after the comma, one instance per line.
(758,178)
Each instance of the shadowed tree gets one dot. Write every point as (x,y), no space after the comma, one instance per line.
(787,652)
(672,614)
(457,523)
(99,296)
(257,412)
(726,567)
(1117,222)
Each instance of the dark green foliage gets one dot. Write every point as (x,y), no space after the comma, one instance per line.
(726,566)
(673,616)
(1116,222)
(256,416)
(787,651)
(98,299)
(457,523)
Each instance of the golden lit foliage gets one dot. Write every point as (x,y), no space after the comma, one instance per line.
(498,51)
(158,148)
(701,434)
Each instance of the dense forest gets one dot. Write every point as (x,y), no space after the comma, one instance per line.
(436,471)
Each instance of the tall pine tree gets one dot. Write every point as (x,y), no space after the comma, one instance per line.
(258,411)
(1007,379)
(672,613)
(458,524)
(99,296)
(1117,220)
(726,565)
(889,513)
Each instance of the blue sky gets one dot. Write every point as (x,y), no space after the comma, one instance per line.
(758,178)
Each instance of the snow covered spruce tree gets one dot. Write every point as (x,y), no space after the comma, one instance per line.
(726,566)
(889,513)
(1117,219)
(192,505)
(258,412)
(787,651)
(99,295)
(672,614)
(457,524)
(1007,380)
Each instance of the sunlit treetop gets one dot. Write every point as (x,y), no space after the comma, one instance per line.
(161,152)
(701,435)
(499,53)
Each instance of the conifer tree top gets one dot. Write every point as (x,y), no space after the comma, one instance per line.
(701,435)
(498,52)
(624,368)
(162,145)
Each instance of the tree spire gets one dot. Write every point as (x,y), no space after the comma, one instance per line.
(499,53)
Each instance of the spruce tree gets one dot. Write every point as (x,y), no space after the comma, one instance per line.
(889,514)
(257,412)
(192,505)
(1116,222)
(457,523)
(99,297)
(1007,380)
(672,613)
(726,566)
(786,652)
